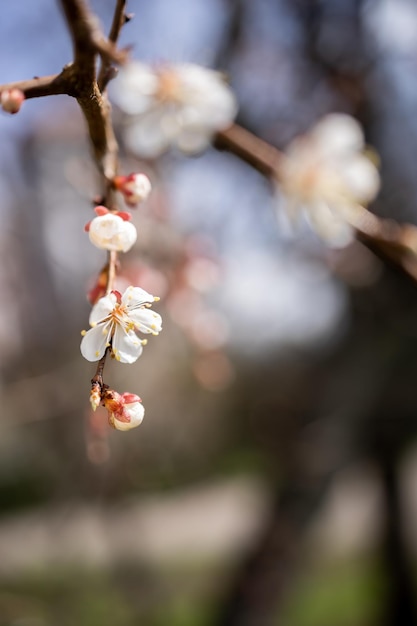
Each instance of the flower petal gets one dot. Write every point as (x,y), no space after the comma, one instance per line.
(102,309)
(126,346)
(111,232)
(337,134)
(130,398)
(145,136)
(361,178)
(135,87)
(146,321)
(95,341)
(134,412)
(194,139)
(135,297)
(127,237)
(330,225)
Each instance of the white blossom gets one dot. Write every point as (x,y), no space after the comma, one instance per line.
(166,105)
(114,321)
(111,232)
(326,175)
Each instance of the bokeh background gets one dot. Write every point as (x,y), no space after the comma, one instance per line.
(274,479)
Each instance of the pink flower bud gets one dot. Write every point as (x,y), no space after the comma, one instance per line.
(125,411)
(133,413)
(11,100)
(135,188)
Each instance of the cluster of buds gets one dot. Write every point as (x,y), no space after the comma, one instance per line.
(11,100)
(113,230)
(125,411)
(116,318)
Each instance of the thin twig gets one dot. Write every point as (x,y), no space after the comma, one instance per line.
(107,71)
(97,382)
(87,36)
(98,377)
(250,148)
(111,276)
(40,86)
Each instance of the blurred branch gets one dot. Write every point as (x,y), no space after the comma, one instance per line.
(120,18)
(251,149)
(40,86)
(87,37)
(390,241)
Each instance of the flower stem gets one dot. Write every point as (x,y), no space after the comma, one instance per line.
(111,275)
(98,377)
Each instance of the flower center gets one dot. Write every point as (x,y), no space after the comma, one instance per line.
(169,86)
(119,314)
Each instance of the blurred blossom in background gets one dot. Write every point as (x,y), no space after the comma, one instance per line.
(273,480)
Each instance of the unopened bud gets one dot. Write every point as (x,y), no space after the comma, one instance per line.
(11,100)
(125,411)
(95,396)
(112,232)
(135,188)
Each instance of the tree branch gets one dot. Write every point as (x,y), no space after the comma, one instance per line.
(88,41)
(86,35)
(107,71)
(40,86)
(250,148)
(391,241)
